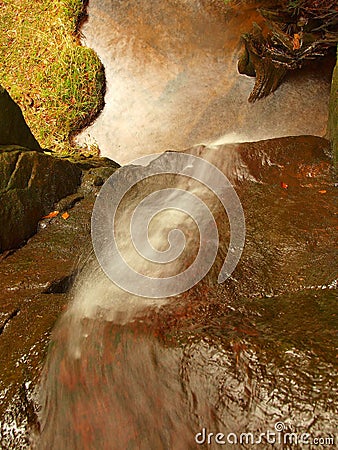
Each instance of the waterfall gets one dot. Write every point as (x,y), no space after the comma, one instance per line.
(248,346)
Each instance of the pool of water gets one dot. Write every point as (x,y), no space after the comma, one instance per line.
(172,80)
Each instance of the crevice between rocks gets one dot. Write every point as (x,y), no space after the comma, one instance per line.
(11,316)
(61,286)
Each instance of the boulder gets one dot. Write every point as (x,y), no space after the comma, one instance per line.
(13,127)
(30,183)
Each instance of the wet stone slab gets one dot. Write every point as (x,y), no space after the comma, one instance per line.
(34,282)
(236,357)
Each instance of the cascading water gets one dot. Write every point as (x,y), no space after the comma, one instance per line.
(252,355)
(239,357)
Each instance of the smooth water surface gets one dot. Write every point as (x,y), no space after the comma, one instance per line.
(172,80)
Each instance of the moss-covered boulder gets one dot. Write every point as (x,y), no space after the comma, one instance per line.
(30,183)
(13,127)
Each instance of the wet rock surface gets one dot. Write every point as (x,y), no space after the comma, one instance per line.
(238,357)
(34,282)
(333,114)
(30,183)
(13,127)
(231,358)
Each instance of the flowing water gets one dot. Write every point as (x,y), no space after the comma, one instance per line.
(130,372)
(172,80)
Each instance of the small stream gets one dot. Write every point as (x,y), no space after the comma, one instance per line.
(172,80)
(255,354)
(238,357)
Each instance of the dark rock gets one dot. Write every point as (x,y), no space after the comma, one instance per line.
(68,202)
(93,162)
(94,178)
(30,183)
(13,127)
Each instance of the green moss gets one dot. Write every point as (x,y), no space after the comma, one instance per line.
(57,83)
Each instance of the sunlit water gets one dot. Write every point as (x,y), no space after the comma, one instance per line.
(129,372)
(172,80)
(125,372)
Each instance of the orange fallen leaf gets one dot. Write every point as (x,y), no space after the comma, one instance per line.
(51,215)
(322,192)
(296,41)
(284,185)
(65,215)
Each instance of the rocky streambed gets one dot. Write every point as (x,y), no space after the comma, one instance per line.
(172,79)
(35,278)
(87,365)
(235,357)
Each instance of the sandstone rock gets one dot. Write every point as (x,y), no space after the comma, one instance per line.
(237,356)
(13,127)
(34,282)
(238,344)
(33,292)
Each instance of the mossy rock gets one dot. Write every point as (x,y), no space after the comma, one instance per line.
(13,127)
(30,183)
